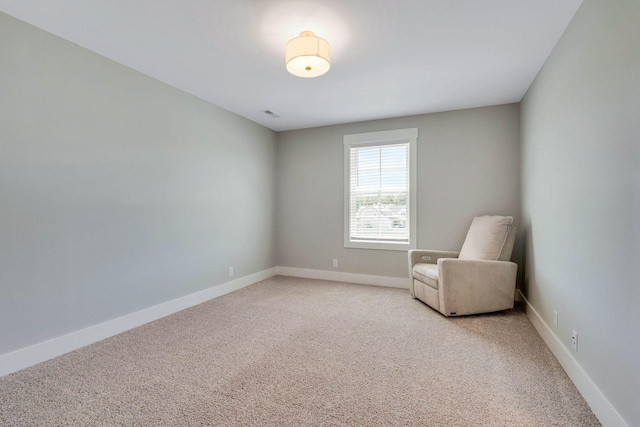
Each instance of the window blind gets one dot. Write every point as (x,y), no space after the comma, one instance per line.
(379,193)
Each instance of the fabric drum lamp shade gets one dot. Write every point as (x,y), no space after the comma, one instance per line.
(308,55)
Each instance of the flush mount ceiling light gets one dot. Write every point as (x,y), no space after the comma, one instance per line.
(307,55)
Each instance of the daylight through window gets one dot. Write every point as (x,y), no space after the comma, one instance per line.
(379,189)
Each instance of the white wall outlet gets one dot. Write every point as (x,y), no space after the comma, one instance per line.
(335,262)
(555,319)
(574,340)
(230,271)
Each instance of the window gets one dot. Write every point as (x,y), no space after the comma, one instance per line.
(380,190)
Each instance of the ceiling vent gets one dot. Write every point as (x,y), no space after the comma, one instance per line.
(270,113)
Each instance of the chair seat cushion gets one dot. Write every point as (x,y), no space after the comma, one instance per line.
(426,273)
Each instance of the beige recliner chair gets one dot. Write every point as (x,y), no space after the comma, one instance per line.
(478,279)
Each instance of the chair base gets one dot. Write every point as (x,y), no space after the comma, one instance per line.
(426,294)
(431,297)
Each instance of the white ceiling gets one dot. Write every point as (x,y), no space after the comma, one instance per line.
(389,57)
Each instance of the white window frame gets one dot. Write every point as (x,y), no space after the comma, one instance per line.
(389,137)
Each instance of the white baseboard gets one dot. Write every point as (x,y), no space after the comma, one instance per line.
(518,296)
(339,276)
(600,405)
(29,356)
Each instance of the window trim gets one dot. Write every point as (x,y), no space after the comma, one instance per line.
(388,137)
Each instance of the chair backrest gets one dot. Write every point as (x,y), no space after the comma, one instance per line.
(489,238)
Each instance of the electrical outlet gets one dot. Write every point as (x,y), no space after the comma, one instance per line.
(555,319)
(335,262)
(574,340)
(230,271)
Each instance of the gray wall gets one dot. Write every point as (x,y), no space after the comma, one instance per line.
(117,192)
(581,195)
(468,164)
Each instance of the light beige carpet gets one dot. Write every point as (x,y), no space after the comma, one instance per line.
(295,352)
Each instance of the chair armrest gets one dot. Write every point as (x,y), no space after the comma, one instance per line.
(473,286)
(429,257)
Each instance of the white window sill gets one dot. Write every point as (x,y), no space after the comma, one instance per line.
(385,246)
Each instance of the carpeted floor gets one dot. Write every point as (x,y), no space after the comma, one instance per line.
(294,352)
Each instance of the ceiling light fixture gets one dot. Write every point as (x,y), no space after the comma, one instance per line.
(307,55)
